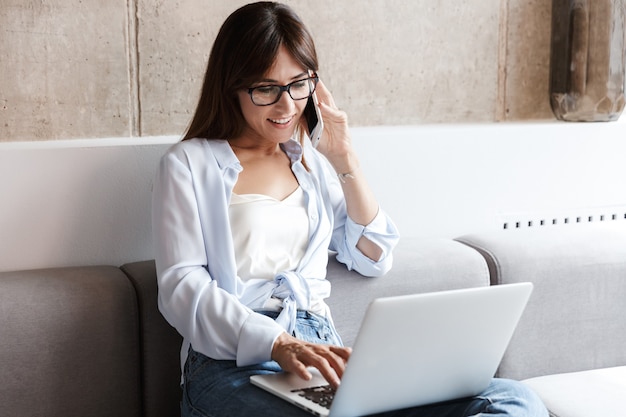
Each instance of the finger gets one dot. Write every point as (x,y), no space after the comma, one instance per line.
(330,365)
(337,363)
(328,372)
(339,358)
(341,351)
(298,368)
(332,113)
(324,96)
(303,372)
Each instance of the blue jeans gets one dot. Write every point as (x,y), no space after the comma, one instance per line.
(215,388)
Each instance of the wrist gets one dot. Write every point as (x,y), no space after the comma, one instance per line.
(344,177)
(346,166)
(281,340)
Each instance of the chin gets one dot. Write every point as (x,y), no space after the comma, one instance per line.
(285,136)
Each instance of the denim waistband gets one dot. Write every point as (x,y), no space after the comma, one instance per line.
(301,314)
(311,327)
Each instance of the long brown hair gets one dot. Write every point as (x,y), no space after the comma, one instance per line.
(244,50)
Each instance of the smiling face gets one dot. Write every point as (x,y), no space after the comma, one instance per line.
(275,123)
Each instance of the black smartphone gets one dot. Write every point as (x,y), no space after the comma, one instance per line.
(314,122)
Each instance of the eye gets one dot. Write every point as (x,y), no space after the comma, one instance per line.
(299,84)
(266,90)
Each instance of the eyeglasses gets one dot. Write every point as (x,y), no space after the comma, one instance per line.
(266,95)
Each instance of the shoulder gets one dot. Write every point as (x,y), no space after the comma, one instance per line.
(198,152)
(195,146)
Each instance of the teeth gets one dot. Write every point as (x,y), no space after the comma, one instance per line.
(281,121)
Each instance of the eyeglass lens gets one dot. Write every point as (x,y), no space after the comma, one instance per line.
(298,90)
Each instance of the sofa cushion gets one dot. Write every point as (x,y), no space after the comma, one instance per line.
(69,343)
(419,265)
(595,393)
(576,317)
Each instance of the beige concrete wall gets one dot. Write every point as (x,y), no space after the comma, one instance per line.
(95,68)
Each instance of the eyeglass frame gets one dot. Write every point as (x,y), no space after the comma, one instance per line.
(283,88)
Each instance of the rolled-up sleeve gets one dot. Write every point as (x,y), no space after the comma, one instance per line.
(380,231)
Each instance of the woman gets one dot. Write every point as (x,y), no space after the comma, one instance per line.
(244,213)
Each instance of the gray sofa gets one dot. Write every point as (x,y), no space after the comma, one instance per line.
(89,341)
(570,345)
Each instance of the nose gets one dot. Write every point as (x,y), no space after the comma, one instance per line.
(285,100)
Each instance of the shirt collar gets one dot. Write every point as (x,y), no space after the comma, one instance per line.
(225,156)
(293,149)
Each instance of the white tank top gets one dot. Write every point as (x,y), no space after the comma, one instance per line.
(269,235)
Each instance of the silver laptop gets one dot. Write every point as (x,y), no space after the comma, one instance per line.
(415,350)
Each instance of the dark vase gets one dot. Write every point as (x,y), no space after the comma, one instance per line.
(588,58)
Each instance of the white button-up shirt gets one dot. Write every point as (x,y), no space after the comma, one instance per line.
(200,293)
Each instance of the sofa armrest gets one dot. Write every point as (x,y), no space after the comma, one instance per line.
(576,317)
(420,265)
(160,346)
(69,343)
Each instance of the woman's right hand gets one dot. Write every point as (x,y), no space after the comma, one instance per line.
(295,355)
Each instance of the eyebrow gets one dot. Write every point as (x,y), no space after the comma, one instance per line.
(268,80)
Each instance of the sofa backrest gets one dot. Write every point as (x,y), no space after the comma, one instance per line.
(419,265)
(576,317)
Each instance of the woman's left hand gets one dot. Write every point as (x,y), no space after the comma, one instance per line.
(336,143)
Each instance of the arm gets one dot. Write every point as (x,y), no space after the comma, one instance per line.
(376,233)
(191,297)
(212,319)
(361,204)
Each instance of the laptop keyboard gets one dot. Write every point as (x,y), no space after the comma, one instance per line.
(322,395)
